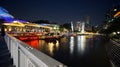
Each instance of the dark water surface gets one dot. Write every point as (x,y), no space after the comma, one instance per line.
(78,51)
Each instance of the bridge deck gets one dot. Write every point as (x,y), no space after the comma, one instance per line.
(5,59)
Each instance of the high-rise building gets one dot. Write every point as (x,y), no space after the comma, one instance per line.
(78,26)
(87,26)
(88,19)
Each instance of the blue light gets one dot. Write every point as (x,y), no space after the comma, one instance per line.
(7,19)
(5,15)
(3,11)
(23,21)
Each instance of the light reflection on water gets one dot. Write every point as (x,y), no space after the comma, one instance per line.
(71,45)
(50,46)
(81,44)
(72,51)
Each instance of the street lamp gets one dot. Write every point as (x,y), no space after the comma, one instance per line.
(56,28)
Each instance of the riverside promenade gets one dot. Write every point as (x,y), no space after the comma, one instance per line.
(114,52)
(5,58)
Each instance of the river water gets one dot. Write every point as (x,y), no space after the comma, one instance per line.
(77,51)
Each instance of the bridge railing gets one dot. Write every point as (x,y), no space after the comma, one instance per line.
(25,56)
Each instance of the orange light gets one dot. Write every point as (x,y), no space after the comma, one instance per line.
(117,14)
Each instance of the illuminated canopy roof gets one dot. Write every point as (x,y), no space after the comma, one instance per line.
(14,24)
(5,15)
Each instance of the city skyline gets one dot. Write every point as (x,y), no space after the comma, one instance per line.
(61,11)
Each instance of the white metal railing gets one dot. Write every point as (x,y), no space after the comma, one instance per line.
(25,56)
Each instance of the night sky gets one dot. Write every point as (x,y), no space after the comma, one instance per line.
(60,11)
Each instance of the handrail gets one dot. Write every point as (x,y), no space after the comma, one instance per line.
(25,56)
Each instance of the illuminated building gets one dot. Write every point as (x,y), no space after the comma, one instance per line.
(78,26)
(87,26)
(18,26)
(88,19)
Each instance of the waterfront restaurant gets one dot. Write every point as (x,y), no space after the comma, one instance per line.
(13,27)
(18,26)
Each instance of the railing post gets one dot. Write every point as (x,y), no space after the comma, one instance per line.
(22,59)
(11,48)
(8,42)
(15,53)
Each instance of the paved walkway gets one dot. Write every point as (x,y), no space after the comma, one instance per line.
(114,52)
(5,59)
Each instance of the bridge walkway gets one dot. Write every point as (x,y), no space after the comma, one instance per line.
(5,58)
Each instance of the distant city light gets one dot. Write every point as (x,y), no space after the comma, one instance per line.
(114,33)
(118,32)
(115,10)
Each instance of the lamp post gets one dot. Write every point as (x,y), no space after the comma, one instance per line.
(56,28)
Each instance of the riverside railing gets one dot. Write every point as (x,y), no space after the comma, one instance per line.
(25,56)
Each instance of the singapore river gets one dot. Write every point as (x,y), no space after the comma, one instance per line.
(77,51)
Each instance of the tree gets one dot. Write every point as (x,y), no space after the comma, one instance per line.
(67,26)
(42,21)
(2,27)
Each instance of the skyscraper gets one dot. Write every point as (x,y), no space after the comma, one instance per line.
(88,19)
(78,25)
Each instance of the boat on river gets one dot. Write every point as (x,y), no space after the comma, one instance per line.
(44,37)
